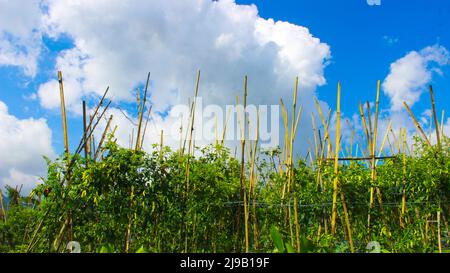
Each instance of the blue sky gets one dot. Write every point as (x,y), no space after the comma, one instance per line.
(358,44)
(359,37)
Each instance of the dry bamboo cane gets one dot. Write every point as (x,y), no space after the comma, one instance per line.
(436,122)
(105,132)
(189,155)
(285,143)
(66,146)
(336,162)
(85,132)
(417,124)
(326,142)
(243,195)
(316,145)
(378,157)
(252,180)
(141,114)
(161,145)
(442,123)
(363,119)
(291,144)
(225,128)
(402,216)
(318,166)
(439,230)
(145,126)
(325,124)
(289,157)
(347,223)
(2,206)
(63,112)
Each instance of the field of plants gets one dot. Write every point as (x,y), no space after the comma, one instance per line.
(383,193)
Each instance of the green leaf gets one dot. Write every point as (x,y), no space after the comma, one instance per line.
(277,239)
(289,248)
(106,249)
(141,250)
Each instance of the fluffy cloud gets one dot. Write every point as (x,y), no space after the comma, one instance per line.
(409,75)
(117,42)
(70,63)
(23,142)
(20,34)
(173,39)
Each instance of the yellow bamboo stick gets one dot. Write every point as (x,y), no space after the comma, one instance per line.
(436,122)
(424,136)
(336,162)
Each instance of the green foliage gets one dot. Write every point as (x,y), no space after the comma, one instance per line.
(148,196)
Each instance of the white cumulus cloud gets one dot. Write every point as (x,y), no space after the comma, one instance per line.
(23,142)
(410,74)
(20,34)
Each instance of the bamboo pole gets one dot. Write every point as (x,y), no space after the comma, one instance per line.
(105,132)
(145,126)
(336,162)
(66,144)
(2,206)
(403,210)
(243,195)
(161,145)
(63,112)
(436,122)
(85,132)
(189,155)
(347,223)
(439,230)
(325,125)
(372,154)
(424,136)
(289,158)
(291,144)
(141,113)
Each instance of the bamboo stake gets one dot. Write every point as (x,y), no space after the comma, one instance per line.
(141,113)
(105,132)
(316,144)
(189,153)
(347,222)
(366,131)
(225,127)
(85,132)
(383,142)
(63,111)
(291,144)
(253,180)
(66,143)
(145,126)
(436,122)
(242,175)
(439,230)
(161,145)
(2,206)
(325,124)
(336,162)
(403,210)
(417,124)
(290,155)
